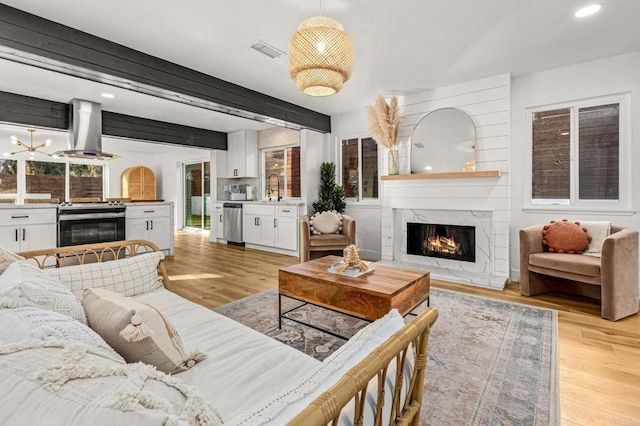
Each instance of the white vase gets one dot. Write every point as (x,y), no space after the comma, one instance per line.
(393,162)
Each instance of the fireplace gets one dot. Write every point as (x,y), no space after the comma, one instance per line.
(454,242)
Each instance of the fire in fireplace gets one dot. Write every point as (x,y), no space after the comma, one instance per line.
(446,241)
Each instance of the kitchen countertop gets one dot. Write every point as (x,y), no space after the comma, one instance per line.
(147,203)
(6,206)
(266,203)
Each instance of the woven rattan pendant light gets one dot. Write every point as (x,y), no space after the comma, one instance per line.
(320,56)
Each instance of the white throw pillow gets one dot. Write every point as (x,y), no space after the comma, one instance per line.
(31,323)
(7,258)
(131,276)
(288,402)
(598,231)
(25,284)
(326,223)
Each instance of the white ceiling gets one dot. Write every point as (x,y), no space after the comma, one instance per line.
(401,47)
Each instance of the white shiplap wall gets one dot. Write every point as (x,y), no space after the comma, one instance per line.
(487,101)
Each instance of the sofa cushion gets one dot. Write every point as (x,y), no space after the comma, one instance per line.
(68,384)
(25,284)
(565,237)
(33,323)
(289,401)
(7,258)
(137,331)
(130,276)
(598,231)
(571,263)
(329,240)
(325,223)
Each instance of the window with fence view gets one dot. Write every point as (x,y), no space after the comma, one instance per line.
(576,154)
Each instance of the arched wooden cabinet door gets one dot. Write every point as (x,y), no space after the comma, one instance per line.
(138,183)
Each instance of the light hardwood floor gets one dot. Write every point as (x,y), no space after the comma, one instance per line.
(599,360)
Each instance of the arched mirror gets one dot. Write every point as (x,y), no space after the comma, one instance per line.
(443,141)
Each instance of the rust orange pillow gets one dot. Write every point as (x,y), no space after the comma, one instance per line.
(565,237)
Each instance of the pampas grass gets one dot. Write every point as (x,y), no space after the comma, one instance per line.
(384,121)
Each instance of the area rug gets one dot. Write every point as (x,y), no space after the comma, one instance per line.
(490,362)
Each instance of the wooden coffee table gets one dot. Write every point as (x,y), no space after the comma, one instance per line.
(369,297)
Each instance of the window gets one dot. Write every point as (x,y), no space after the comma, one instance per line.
(360,168)
(8,179)
(45,179)
(282,172)
(85,180)
(29,179)
(576,153)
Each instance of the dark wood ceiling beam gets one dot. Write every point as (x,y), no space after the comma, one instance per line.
(35,35)
(127,126)
(30,111)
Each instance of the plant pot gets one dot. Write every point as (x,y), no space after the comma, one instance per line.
(393,162)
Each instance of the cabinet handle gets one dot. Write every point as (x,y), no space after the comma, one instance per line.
(275,223)
(24,234)
(20,217)
(220,218)
(16,234)
(147,225)
(149,211)
(286,211)
(152,225)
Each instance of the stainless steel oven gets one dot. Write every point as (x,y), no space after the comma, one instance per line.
(88,223)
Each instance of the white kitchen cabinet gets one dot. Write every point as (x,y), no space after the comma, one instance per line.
(286,227)
(271,226)
(217,221)
(242,154)
(25,229)
(257,224)
(151,222)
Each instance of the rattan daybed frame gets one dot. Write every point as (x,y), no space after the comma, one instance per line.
(353,385)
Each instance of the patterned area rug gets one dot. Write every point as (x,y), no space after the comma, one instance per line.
(490,362)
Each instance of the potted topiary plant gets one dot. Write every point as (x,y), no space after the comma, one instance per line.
(331,196)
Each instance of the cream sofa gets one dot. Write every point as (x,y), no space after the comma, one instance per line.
(246,378)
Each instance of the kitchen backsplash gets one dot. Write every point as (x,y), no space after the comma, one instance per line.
(222,182)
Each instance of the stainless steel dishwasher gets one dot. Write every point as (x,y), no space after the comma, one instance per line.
(233,223)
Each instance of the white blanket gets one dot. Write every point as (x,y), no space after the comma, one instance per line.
(239,358)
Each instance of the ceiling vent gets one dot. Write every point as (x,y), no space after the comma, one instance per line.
(267,49)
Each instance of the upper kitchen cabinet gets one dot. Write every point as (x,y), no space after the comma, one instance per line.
(242,154)
(138,183)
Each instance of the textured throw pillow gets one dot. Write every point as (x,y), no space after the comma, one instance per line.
(7,258)
(66,383)
(598,231)
(286,403)
(24,284)
(565,237)
(131,276)
(326,223)
(31,323)
(137,331)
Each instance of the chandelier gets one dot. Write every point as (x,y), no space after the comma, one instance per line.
(320,56)
(29,148)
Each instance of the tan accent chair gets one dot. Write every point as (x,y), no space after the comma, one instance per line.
(315,246)
(611,278)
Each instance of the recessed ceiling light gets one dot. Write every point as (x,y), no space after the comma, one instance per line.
(108,95)
(588,10)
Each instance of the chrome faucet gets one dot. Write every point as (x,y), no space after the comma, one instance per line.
(278,181)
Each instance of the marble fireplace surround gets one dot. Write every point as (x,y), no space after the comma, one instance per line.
(480,273)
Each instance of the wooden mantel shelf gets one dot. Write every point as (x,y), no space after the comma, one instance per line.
(448,175)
